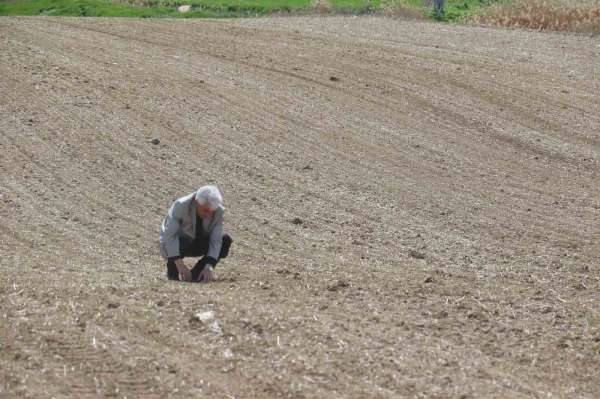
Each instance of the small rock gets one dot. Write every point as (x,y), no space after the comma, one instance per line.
(205,317)
(113,305)
(155,141)
(429,280)
(297,221)
(334,78)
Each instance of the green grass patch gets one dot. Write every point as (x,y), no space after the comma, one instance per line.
(168,8)
(83,8)
(355,6)
(234,7)
(455,10)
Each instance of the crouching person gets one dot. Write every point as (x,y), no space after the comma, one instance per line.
(194,227)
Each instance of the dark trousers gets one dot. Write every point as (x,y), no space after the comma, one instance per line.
(198,247)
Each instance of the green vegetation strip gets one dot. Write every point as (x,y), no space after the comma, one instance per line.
(453,10)
(166,8)
(459,9)
(76,8)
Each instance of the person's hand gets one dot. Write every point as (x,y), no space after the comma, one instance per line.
(184,272)
(207,275)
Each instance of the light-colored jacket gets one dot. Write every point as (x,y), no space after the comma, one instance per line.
(181,221)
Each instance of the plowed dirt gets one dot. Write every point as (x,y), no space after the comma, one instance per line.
(414,206)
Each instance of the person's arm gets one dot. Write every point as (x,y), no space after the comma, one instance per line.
(169,236)
(214,249)
(214,244)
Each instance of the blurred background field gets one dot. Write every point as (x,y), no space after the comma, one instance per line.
(556,15)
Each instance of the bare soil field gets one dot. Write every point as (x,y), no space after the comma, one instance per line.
(415,209)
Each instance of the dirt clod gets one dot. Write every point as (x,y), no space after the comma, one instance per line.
(416,254)
(340,284)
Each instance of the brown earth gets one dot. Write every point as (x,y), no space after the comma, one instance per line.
(415,208)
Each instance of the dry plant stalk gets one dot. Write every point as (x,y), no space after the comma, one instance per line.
(573,16)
